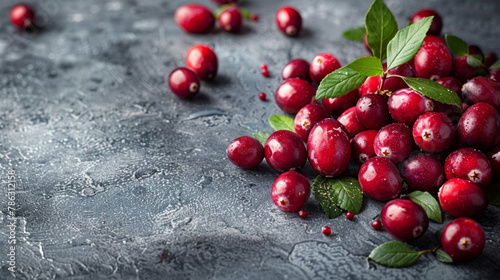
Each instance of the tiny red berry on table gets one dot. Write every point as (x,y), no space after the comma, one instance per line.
(349,216)
(377,225)
(326,230)
(289,21)
(194,18)
(479,126)
(307,117)
(293,94)
(434,132)
(404,219)
(394,141)
(303,214)
(296,68)
(264,72)
(322,65)
(379,178)
(254,17)
(437,22)
(183,82)
(203,61)
(469,164)
(245,152)
(463,239)
(290,191)
(285,150)
(262,96)
(22,16)
(461,198)
(230,20)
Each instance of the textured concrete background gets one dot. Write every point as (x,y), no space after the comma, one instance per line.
(120,179)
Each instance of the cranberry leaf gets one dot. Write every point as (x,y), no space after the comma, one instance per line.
(322,194)
(394,254)
(406,43)
(457,46)
(339,82)
(474,60)
(433,90)
(367,66)
(356,34)
(280,122)
(442,256)
(381,27)
(429,203)
(344,192)
(261,137)
(495,65)
(493,194)
(438,235)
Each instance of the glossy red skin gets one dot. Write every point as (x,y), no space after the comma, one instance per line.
(478,127)
(303,214)
(394,141)
(290,191)
(245,152)
(372,111)
(490,58)
(433,60)
(437,22)
(362,146)
(230,20)
(404,219)
(328,148)
(494,158)
(349,216)
(307,117)
(495,74)
(377,225)
(296,68)
(379,178)
(463,239)
(203,61)
(453,112)
(194,18)
(351,123)
(289,21)
(469,164)
(262,96)
(394,83)
(452,83)
(183,82)
(293,94)
(462,70)
(322,65)
(285,151)
(406,105)
(337,106)
(482,89)
(326,230)
(370,86)
(22,16)
(434,132)
(461,198)
(423,172)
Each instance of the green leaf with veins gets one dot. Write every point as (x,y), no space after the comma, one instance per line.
(367,66)
(433,90)
(339,82)
(429,203)
(356,34)
(456,45)
(280,122)
(261,137)
(343,192)
(394,254)
(381,27)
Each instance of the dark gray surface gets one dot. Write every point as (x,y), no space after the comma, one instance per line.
(120,179)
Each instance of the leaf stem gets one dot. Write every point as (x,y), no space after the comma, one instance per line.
(382,80)
(433,251)
(477,60)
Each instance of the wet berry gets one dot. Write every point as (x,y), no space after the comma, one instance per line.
(22,16)
(370,86)
(461,198)
(479,126)
(434,132)
(406,105)
(307,117)
(494,158)
(322,65)
(263,70)
(284,151)
(451,83)
(351,123)
(289,21)
(230,20)
(262,96)
(349,216)
(404,219)
(394,83)
(433,60)
(194,18)
(326,231)
(423,172)
(337,106)
(183,82)
(462,70)
(482,89)
(362,146)
(393,141)
(377,225)
(293,94)
(245,152)
(290,191)
(296,68)
(437,22)
(463,239)
(379,178)
(303,214)
(495,74)
(469,164)
(372,111)
(203,61)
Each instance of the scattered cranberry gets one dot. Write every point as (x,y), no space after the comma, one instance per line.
(495,74)
(394,141)
(482,89)
(451,83)
(203,61)
(254,17)
(289,21)
(494,158)
(336,106)
(461,198)
(479,126)
(469,164)
(351,122)
(183,82)
(372,111)
(303,214)
(296,68)
(434,132)
(293,94)
(326,231)
(290,191)
(406,105)
(22,16)
(394,83)
(437,22)
(194,18)
(404,219)
(284,151)
(423,172)
(263,70)
(370,86)
(322,65)
(377,225)
(307,117)
(379,178)
(433,60)
(463,239)
(349,216)
(230,20)
(245,152)
(262,96)
(362,146)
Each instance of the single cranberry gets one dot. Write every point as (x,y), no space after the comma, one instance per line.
(461,198)
(245,152)
(377,225)
(437,22)
(372,111)
(394,83)
(194,18)
(203,61)
(290,191)
(462,70)
(463,239)
(379,178)
(351,123)
(296,68)
(479,126)
(394,141)
(362,146)
(423,172)
(303,214)
(349,216)
(289,21)
(495,74)
(262,96)
(434,132)
(307,117)
(370,86)
(452,83)
(404,219)
(183,82)
(263,70)
(328,148)
(482,89)
(337,106)
(322,65)
(433,60)
(326,230)
(230,20)
(293,94)
(365,43)
(469,164)
(490,58)
(254,17)
(406,105)
(284,151)
(22,16)
(494,158)
(474,49)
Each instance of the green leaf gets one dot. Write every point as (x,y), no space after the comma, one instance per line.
(324,199)
(429,203)
(344,192)
(474,60)
(493,194)
(457,46)
(356,34)
(339,82)
(434,91)
(438,235)
(381,27)
(394,254)
(367,66)
(495,65)
(405,45)
(280,122)
(261,137)
(244,12)
(442,256)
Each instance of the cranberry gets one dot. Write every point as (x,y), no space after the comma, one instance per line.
(351,123)
(433,60)
(262,96)
(495,74)
(289,21)
(494,158)
(462,70)
(404,219)
(307,117)
(482,89)
(437,22)
(370,86)
(254,17)
(245,152)
(303,214)
(230,20)
(336,106)
(423,172)
(290,191)
(284,151)
(406,105)
(328,148)
(296,68)
(326,230)
(183,82)
(263,70)
(394,141)
(394,83)
(372,111)
(463,239)
(203,61)
(490,58)
(379,178)
(434,132)
(461,198)
(349,216)
(479,126)
(194,18)
(377,225)
(293,94)
(322,65)
(451,83)
(469,164)
(362,146)
(22,16)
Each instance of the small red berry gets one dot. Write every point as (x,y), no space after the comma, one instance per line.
(351,122)
(326,230)
(349,216)
(377,225)
(469,164)
(203,61)
(262,96)
(230,20)
(290,191)
(289,21)
(303,214)
(245,152)
(463,239)
(482,89)
(22,16)
(183,82)
(254,17)
(264,72)
(406,105)
(423,172)
(194,18)
(437,22)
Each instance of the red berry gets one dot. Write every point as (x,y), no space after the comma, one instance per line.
(406,105)
(264,72)
(482,89)
(307,117)
(404,219)
(351,122)
(262,96)
(451,83)
(349,216)
(372,111)
(322,65)
(230,20)
(394,83)
(194,18)
(461,198)
(289,21)
(296,68)
(284,151)
(495,74)
(434,132)
(290,191)
(437,22)
(463,239)
(245,152)
(254,17)
(362,146)
(293,94)
(370,86)
(203,61)
(423,172)
(462,70)
(433,60)
(394,141)
(377,225)
(303,214)
(473,49)
(494,158)
(326,230)
(490,58)
(183,82)
(379,178)
(337,106)
(469,164)
(479,126)
(22,16)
